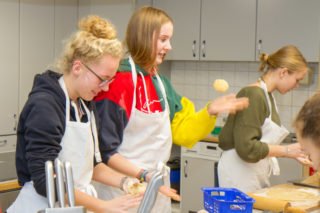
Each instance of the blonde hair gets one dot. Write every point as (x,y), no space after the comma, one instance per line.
(307,120)
(95,38)
(286,57)
(142,31)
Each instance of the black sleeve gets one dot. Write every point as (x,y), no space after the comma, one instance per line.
(43,130)
(112,121)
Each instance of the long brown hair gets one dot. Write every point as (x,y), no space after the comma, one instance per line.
(142,31)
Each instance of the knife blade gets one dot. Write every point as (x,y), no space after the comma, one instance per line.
(51,195)
(59,182)
(69,183)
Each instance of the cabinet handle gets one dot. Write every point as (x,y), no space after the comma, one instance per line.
(15,122)
(185,168)
(194,48)
(3,142)
(203,48)
(259,48)
(212,147)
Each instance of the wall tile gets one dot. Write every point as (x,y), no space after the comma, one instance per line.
(202,78)
(202,92)
(190,76)
(178,65)
(299,97)
(178,76)
(190,91)
(241,79)
(283,99)
(242,66)
(216,66)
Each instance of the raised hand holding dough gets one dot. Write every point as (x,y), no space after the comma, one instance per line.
(220,85)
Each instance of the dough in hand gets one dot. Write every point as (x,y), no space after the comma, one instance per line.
(136,188)
(220,85)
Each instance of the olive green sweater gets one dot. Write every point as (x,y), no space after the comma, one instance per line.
(242,131)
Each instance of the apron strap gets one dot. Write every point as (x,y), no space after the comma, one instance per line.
(265,89)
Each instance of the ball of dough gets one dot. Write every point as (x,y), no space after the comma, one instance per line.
(220,85)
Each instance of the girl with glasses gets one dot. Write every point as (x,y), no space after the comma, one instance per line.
(59,121)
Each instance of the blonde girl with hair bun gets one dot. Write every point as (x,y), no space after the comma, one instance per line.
(251,139)
(59,121)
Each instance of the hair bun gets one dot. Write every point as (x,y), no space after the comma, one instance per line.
(264,57)
(98,27)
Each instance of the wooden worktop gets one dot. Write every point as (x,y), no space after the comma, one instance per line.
(211,138)
(9,185)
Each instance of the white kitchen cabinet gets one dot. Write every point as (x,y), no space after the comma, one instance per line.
(212,29)
(43,27)
(198,169)
(282,22)
(36,41)
(65,22)
(9,71)
(117,11)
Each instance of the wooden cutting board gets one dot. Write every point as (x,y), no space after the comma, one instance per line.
(287,196)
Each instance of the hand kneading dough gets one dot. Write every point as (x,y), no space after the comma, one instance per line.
(220,85)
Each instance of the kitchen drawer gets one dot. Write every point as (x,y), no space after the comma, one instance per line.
(8,143)
(7,164)
(7,157)
(7,198)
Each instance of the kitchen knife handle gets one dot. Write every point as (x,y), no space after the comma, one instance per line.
(59,181)
(51,195)
(69,183)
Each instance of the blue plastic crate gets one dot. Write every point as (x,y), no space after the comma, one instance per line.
(226,200)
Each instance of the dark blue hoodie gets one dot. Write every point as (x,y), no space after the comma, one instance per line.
(40,129)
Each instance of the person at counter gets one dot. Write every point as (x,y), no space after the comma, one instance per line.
(141,114)
(251,139)
(307,126)
(58,121)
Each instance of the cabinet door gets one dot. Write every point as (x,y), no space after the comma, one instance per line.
(117,11)
(195,174)
(65,22)
(282,22)
(186,21)
(36,42)
(228,30)
(9,71)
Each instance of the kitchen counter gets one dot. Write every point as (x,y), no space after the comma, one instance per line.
(9,185)
(211,138)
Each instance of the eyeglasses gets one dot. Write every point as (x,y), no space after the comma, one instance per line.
(103,81)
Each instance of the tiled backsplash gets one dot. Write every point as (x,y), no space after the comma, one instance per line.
(194,79)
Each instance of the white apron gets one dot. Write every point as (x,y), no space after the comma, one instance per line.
(249,177)
(147,143)
(77,148)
